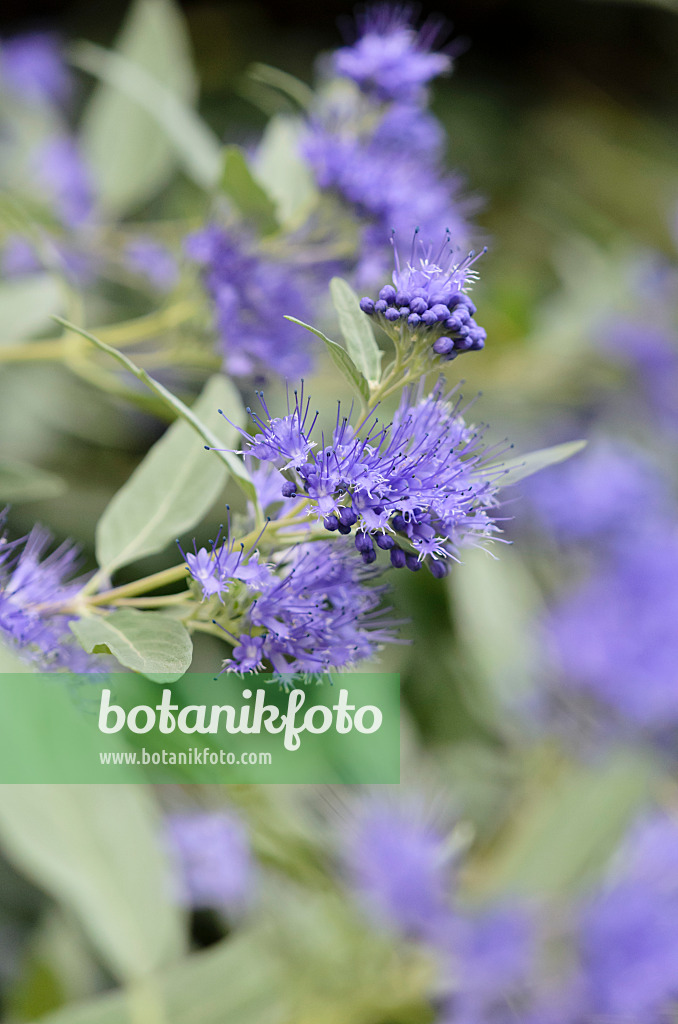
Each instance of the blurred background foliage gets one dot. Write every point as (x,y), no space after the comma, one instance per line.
(563,118)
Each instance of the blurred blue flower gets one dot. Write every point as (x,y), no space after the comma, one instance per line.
(32,67)
(629,929)
(391,59)
(18,257)
(400,868)
(251,296)
(613,638)
(63,174)
(31,581)
(214,865)
(153,261)
(651,351)
(598,494)
(491,963)
(392,185)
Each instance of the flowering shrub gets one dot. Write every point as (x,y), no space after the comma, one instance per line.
(237,370)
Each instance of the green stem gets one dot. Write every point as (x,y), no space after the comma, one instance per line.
(167,576)
(128,333)
(142,586)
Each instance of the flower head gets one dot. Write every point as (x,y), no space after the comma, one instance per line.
(598,494)
(63,174)
(251,296)
(429,300)
(613,638)
(390,59)
(399,867)
(319,612)
(31,581)
(213,860)
(32,67)
(389,185)
(152,261)
(417,487)
(224,564)
(628,931)
(18,257)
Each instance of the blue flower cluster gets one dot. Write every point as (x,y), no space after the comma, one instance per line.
(29,584)
(402,870)
(627,672)
(250,295)
(621,936)
(418,487)
(33,69)
(377,147)
(390,59)
(318,611)
(213,862)
(428,296)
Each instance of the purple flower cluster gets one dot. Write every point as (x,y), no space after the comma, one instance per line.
(401,869)
(62,173)
(628,930)
(613,639)
(214,866)
(597,494)
(152,261)
(428,296)
(29,583)
(417,487)
(381,151)
(32,68)
(620,940)
(390,59)
(250,295)
(317,611)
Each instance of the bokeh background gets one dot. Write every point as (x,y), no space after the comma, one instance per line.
(540,690)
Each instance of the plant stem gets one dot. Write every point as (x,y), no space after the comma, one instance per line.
(128,333)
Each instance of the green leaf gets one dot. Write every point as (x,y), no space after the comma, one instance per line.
(172,488)
(356,329)
(522,466)
(140,121)
(236,466)
(26,305)
(283,173)
(341,360)
(500,591)
(21,482)
(237,981)
(570,826)
(239,184)
(96,850)
(283,82)
(157,646)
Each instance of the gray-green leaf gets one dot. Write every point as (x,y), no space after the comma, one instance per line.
(340,358)
(153,644)
(140,120)
(356,329)
(26,304)
(522,466)
(174,486)
(95,849)
(21,482)
(248,195)
(283,173)
(238,980)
